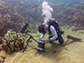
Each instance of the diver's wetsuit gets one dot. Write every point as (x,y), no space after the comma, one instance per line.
(53,34)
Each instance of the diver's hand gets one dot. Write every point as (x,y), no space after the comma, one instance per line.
(50,41)
(47,41)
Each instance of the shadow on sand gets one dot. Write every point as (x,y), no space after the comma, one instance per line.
(52,51)
(74,39)
(56,49)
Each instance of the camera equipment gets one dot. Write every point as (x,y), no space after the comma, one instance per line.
(25,27)
(41,43)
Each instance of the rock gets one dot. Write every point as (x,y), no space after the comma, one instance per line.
(0,61)
(1,40)
(54,51)
(3,57)
(0,50)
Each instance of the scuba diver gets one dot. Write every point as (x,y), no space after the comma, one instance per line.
(53,30)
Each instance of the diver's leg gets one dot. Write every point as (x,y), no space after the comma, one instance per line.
(60,39)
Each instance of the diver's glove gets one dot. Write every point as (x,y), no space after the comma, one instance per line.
(48,41)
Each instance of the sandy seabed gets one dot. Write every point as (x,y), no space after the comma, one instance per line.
(73,52)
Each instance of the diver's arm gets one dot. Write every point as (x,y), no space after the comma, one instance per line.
(42,36)
(53,31)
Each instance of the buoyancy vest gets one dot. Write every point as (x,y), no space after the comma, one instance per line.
(57,28)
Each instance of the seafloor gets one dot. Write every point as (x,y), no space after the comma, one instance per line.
(71,53)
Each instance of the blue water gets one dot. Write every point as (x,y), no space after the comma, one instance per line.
(40,1)
(70,12)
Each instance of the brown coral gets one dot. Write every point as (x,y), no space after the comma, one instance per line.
(13,41)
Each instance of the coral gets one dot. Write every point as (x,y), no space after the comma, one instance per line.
(70,15)
(9,19)
(13,41)
(14,16)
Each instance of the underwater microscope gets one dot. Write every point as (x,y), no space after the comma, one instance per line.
(41,43)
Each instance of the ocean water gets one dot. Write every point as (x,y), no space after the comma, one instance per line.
(69,14)
(66,12)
